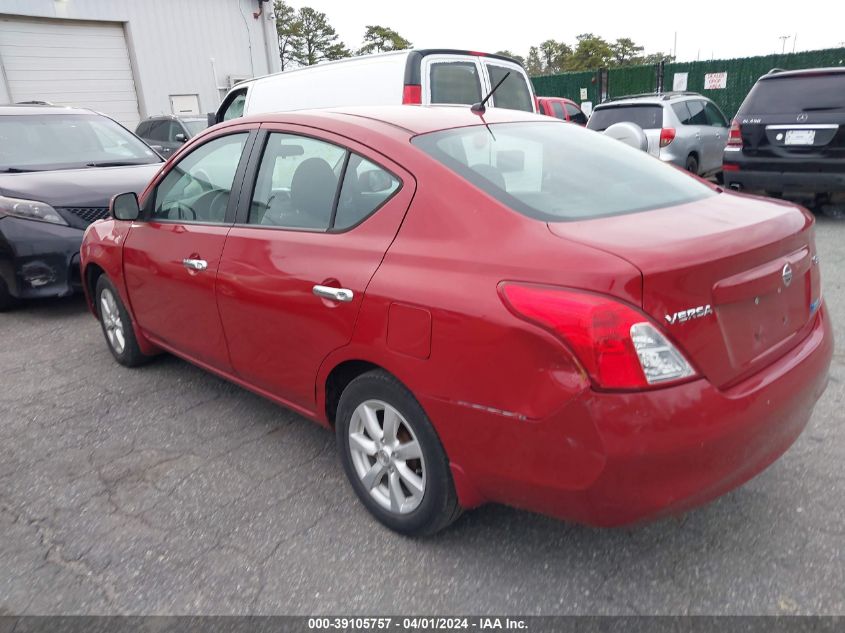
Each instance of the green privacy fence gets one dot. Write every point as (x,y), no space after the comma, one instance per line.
(740,75)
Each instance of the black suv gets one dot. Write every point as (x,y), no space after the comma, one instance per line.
(789,136)
(167,133)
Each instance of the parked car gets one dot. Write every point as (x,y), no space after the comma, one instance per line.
(166,133)
(561,108)
(59,167)
(682,128)
(474,322)
(429,76)
(788,136)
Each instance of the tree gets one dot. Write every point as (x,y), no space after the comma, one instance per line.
(319,40)
(289,31)
(591,52)
(553,56)
(656,58)
(534,65)
(625,52)
(512,55)
(378,39)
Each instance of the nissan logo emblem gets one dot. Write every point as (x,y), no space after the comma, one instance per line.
(802,117)
(787,275)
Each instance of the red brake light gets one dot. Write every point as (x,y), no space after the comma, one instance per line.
(601,332)
(735,135)
(412,94)
(667,135)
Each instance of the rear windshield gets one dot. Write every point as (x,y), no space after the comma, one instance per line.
(513,93)
(38,142)
(648,117)
(554,171)
(455,82)
(789,95)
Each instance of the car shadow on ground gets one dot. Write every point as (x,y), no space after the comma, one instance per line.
(52,308)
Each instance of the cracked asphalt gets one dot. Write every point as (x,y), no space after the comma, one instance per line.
(164,490)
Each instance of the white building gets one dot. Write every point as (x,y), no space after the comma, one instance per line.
(133,58)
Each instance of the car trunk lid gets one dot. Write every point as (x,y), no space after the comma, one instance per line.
(715,277)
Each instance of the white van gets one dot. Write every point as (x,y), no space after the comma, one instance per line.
(441,76)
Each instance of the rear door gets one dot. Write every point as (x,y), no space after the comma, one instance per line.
(795,122)
(317,215)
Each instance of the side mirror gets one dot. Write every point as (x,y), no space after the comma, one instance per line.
(124,206)
(180,138)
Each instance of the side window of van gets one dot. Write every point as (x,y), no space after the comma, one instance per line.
(514,92)
(235,106)
(454,82)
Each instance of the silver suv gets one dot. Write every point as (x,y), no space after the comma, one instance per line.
(684,128)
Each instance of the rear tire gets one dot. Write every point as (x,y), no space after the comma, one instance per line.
(392,456)
(692,164)
(117,325)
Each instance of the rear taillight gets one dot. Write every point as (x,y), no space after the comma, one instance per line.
(412,94)
(735,135)
(667,135)
(617,346)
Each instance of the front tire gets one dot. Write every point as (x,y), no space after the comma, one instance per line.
(392,456)
(117,325)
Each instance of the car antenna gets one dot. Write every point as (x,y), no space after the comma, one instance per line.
(479,107)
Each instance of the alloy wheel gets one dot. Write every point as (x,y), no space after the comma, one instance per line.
(387,456)
(112,323)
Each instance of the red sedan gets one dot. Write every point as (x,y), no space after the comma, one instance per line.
(496,307)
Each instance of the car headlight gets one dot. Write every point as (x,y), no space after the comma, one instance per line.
(30,210)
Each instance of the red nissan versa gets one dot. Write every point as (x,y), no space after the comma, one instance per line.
(604,343)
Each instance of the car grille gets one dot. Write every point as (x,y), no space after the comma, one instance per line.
(88,214)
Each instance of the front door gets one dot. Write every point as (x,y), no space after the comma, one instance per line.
(171,255)
(322,213)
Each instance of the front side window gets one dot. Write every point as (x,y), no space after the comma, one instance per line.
(557,110)
(513,93)
(529,168)
(235,107)
(454,82)
(696,111)
(575,114)
(306,183)
(714,115)
(43,142)
(197,188)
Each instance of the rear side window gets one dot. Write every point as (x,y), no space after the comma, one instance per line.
(529,168)
(454,82)
(791,95)
(307,183)
(714,115)
(682,112)
(513,93)
(575,114)
(648,117)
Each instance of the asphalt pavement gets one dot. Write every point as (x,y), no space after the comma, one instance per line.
(165,490)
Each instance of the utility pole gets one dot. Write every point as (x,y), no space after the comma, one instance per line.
(783,39)
(794,39)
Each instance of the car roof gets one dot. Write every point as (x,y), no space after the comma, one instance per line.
(414,119)
(779,74)
(650,99)
(18,109)
(175,117)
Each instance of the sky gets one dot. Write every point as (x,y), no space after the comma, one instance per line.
(705,30)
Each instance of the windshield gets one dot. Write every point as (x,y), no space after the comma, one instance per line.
(40,142)
(790,95)
(648,117)
(554,171)
(195,126)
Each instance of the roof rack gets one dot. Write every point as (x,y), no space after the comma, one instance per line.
(664,95)
(775,71)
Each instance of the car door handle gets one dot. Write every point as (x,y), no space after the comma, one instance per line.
(195,264)
(335,294)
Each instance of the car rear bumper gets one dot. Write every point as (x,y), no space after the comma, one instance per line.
(38,259)
(785,181)
(616,458)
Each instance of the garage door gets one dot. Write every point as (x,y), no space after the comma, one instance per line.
(69,63)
